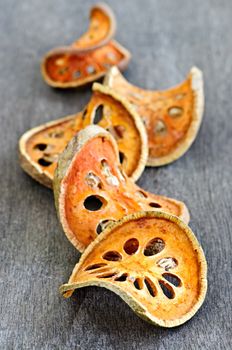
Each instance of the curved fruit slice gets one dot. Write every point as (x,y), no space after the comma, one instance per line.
(67,68)
(40,147)
(91,189)
(153,261)
(101,29)
(172,117)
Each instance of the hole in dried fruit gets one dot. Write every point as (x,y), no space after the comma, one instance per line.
(175,112)
(155,205)
(98,114)
(173,279)
(160,127)
(141,194)
(121,157)
(93,180)
(154,246)
(44,162)
(167,290)
(167,263)
(41,146)
(94,266)
(56,134)
(138,283)
(107,275)
(112,255)
(150,286)
(131,246)
(90,69)
(94,203)
(102,225)
(76,74)
(119,130)
(121,278)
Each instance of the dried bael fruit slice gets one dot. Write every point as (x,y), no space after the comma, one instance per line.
(172,117)
(91,190)
(40,147)
(153,261)
(88,58)
(66,68)
(101,29)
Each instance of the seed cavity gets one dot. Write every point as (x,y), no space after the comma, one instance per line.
(121,157)
(175,112)
(93,180)
(121,278)
(160,127)
(94,203)
(90,69)
(44,162)
(98,114)
(167,263)
(56,134)
(63,70)
(141,194)
(103,225)
(119,130)
(167,289)
(138,283)
(110,178)
(112,255)
(154,246)
(150,286)
(155,205)
(173,279)
(95,266)
(131,246)
(111,56)
(76,74)
(107,275)
(40,146)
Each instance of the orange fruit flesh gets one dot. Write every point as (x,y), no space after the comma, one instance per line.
(99,30)
(45,146)
(167,114)
(68,67)
(120,259)
(118,121)
(95,178)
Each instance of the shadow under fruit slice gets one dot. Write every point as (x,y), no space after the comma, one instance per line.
(40,147)
(172,117)
(89,57)
(91,190)
(153,261)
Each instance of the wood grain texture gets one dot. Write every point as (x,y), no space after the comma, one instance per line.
(166,38)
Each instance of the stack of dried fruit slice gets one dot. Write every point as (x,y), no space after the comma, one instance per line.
(135,243)
(150,258)
(89,57)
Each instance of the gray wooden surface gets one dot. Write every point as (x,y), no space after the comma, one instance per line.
(166,39)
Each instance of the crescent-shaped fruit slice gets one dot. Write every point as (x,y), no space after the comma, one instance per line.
(40,147)
(66,68)
(91,189)
(153,261)
(172,117)
(89,57)
(101,29)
